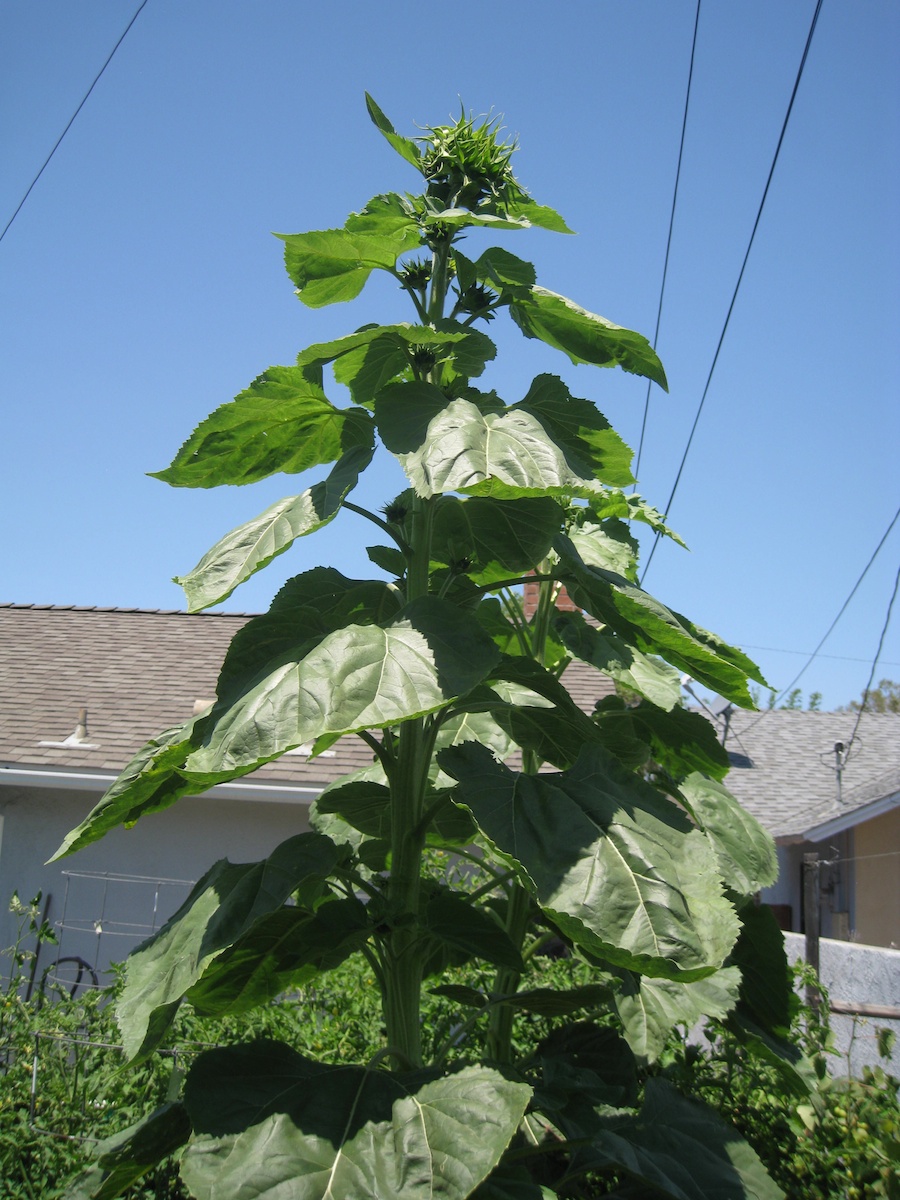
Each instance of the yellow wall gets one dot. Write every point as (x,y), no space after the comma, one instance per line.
(878,880)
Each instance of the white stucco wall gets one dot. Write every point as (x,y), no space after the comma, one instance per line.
(178,844)
(856,974)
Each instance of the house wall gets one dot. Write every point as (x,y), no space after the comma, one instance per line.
(877,870)
(130,897)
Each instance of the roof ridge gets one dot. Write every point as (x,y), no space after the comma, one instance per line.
(100,608)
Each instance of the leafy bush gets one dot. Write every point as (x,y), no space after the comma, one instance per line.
(840,1142)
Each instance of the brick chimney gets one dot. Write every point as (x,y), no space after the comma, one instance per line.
(564,601)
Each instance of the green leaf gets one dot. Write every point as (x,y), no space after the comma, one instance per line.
(499,269)
(388,558)
(358,677)
(645,622)
(282,422)
(221,908)
(767,993)
(149,783)
(332,265)
(648,676)
(554,1002)
(616,866)
(606,544)
(455,922)
(306,609)
(592,447)
(362,803)
(404,146)
(584,1065)
(513,534)
(376,354)
(125,1157)
(649,1009)
(254,544)
(683,1149)
(744,850)
(539,215)
(682,742)
(286,949)
(271,1123)
(582,335)
(475,445)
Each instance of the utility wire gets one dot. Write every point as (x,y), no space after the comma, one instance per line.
(662,290)
(72,120)
(830,628)
(887,621)
(740,277)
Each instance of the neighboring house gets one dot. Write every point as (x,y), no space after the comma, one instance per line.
(819,788)
(132,673)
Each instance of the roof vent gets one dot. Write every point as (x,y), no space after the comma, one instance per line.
(78,737)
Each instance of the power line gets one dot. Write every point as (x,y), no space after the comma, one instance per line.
(841,612)
(662,290)
(805,653)
(72,120)
(884,629)
(740,277)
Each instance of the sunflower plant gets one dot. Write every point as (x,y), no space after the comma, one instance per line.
(609,833)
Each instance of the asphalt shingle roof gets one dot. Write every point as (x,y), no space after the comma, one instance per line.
(137,672)
(784,765)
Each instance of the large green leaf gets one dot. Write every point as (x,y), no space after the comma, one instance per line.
(307,608)
(222,907)
(149,783)
(286,949)
(582,335)
(744,850)
(638,672)
(645,622)
(125,1157)
(682,742)
(614,864)
(358,677)
(591,445)
(513,534)
(282,422)
(649,1009)
(272,1124)
(607,544)
(254,544)
(331,265)
(476,445)
(682,1149)
(767,994)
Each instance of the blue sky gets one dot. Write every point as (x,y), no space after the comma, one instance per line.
(140,287)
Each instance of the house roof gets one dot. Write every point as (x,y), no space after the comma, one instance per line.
(785,769)
(137,672)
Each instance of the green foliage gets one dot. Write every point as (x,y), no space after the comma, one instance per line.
(631,853)
(839,1141)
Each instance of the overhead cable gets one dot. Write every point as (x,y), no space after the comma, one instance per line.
(740,277)
(72,119)
(662,290)
(884,629)
(843,609)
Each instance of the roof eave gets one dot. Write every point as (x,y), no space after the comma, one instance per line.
(99,782)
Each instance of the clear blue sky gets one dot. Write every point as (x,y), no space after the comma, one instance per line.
(140,287)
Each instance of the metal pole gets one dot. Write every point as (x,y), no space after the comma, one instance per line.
(811,922)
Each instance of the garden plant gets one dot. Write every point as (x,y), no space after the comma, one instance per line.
(608,834)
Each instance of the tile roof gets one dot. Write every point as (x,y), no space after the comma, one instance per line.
(137,672)
(784,765)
